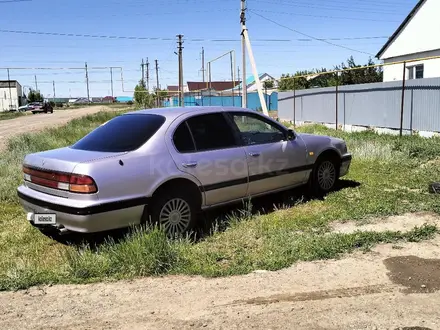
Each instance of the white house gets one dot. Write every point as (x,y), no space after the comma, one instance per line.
(416,38)
(252,85)
(11,95)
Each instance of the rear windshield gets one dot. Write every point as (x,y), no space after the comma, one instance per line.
(123,133)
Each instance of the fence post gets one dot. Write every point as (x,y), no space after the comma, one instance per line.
(337,100)
(337,94)
(402,105)
(294,103)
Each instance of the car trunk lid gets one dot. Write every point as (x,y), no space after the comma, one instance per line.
(54,163)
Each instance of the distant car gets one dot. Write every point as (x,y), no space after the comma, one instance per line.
(164,166)
(31,106)
(24,108)
(38,107)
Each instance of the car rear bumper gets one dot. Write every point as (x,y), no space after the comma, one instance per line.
(85,219)
(345,165)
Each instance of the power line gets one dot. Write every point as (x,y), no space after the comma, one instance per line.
(325,16)
(83,35)
(338,8)
(11,1)
(350,2)
(190,39)
(309,36)
(162,13)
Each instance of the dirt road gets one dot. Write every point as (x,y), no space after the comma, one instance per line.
(392,287)
(32,123)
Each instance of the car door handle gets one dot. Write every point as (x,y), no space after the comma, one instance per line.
(254,154)
(190,164)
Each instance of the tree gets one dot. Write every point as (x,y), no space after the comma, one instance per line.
(162,94)
(319,77)
(359,76)
(35,96)
(267,84)
(142,97)
(290,82)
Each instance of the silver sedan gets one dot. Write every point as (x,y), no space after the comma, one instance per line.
(164,166)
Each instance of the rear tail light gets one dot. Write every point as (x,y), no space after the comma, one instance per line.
(76,183)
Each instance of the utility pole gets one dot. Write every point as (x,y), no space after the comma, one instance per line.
(233,81)
(248,47)
(87,81)
(53,83)
(143,72)
(209,77)
(243,50)
(157,84)
(180,48)
(239,86)
(36,85)
(255,72)
(10,93)
(148,75)
(111,80)
(203,64)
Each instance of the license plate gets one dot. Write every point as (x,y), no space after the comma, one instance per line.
(45,218)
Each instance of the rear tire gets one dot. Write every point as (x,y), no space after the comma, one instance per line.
(324,176)
(175,212)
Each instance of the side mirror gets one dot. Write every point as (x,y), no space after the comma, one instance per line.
(291,135)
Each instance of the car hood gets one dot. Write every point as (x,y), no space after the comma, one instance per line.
(321,138)
(321,142)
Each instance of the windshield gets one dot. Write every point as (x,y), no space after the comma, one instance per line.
(123,133)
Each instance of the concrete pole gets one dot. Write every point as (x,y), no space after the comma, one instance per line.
(255,72)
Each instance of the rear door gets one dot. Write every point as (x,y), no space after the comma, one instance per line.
(274,161)
(207,147)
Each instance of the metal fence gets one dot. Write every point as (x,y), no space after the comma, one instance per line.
(218,98)
(410,105)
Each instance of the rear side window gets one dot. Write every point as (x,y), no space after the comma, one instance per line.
(211,131)
(183,140)
(123,133)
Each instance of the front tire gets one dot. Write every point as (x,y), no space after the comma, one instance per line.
(174,212)
(324,176)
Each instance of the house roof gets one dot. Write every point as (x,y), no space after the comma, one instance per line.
(7,83)
(173,90)
(400,28)
(251,80)
(215,85)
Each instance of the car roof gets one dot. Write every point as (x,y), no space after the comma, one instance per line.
(174,112)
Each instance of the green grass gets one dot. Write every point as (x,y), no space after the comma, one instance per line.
(10,115)
(393,174)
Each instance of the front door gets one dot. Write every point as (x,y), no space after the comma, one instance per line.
(206,147)
(274,162)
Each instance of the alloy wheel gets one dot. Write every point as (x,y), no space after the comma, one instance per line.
(175,217)
(326,175)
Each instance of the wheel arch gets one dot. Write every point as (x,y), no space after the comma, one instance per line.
(180,183)
(329,153)
(172,183)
